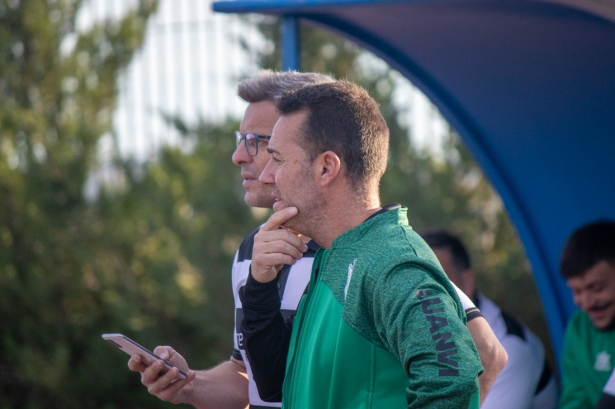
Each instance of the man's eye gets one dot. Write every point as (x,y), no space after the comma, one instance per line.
(596,288)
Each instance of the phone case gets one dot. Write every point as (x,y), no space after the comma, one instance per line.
(131,347)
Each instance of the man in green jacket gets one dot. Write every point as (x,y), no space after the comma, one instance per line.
(588,265)
(380,325)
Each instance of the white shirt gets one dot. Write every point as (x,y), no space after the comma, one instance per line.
(516,385)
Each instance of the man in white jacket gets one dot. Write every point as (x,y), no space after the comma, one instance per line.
(527,380)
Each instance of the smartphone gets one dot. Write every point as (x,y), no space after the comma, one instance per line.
(131,347)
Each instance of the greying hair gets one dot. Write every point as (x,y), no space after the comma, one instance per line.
(268,85)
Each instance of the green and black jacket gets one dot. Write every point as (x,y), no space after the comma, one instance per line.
(588,361)
(379,327)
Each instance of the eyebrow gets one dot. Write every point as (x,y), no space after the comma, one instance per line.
(271,151)
(593,283)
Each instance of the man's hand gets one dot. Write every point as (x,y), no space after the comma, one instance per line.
(167,387)
(492,354)
(275,246)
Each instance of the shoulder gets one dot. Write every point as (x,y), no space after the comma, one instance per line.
(514,327)
(382,242)
(503,323)
(578,336)
(526,355)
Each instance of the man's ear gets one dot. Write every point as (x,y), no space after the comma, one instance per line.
(330,167)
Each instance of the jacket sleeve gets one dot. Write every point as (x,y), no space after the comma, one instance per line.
(422,324)
(266,336)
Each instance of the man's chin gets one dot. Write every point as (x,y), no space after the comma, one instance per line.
(601,326)
(257,201)
(279,206)
(610,326)
(295,226)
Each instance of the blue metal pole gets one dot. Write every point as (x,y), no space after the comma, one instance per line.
(290,43)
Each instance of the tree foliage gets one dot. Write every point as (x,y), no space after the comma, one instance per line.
(150,255)
(54,274)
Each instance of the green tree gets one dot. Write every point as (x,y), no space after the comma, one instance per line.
(178,223)
(54,107)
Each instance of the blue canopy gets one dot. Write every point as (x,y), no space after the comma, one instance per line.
(530,87)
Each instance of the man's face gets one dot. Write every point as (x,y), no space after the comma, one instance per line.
(290,174)
(260,117)
(461,278)
(594,293)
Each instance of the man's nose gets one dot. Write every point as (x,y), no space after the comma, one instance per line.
(241,155)
(267,175)
(586,301)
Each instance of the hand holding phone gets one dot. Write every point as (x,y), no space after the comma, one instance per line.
(131,347)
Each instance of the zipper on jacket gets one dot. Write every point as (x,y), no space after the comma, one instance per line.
(299,321)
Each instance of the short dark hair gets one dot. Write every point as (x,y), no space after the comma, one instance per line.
(587,246)
(438,239)
(268,85)
(342,118)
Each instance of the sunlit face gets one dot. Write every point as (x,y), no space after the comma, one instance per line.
(291,175)
(461,278)
(446,261)
(594,293)
(260,117)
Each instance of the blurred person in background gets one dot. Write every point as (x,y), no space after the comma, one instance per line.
(527,380)
(588,266)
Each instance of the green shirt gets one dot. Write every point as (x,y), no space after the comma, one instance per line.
(380,327)
(589,356)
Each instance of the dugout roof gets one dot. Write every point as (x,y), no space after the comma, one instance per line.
(528,84)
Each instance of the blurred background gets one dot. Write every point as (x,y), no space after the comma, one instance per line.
(120,209)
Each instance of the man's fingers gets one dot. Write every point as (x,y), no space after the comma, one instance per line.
(270,240)
(164,352)
(169,385)
(152,373)
(135,363)
(294,250)
(172,356)
(279,259)
(274,247)
(295,232)
(279,218)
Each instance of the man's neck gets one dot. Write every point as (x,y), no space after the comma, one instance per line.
(344,208)
(340,220)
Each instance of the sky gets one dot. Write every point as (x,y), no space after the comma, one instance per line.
(189,66)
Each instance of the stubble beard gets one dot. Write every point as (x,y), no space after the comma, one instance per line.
(610,326)
(261,198)
(307,222)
